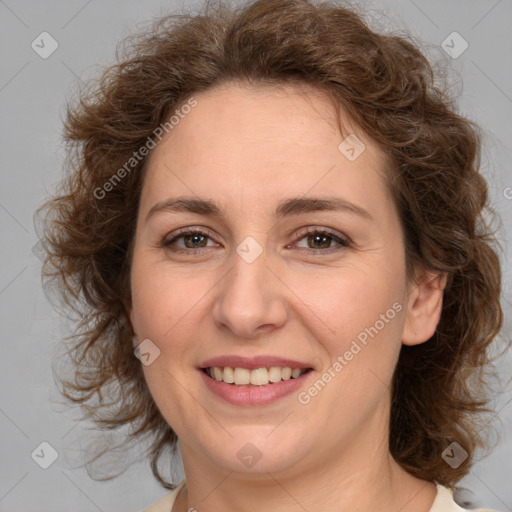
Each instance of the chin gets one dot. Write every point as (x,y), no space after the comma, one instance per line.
(257,450)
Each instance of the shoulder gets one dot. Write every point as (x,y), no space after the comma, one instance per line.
(165,503)
(444,502)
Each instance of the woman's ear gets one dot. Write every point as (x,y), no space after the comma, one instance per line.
(129,316)
(424,307)
(128,312)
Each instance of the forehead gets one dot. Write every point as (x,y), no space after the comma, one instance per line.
(264,141)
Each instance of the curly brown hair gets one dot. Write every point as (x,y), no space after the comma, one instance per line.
(386,86)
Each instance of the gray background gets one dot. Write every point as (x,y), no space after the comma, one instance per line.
(33,92)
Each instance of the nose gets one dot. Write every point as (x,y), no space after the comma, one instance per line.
(250,300)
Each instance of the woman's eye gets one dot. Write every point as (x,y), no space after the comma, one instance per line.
(321,240)
(188,239)
(314,239)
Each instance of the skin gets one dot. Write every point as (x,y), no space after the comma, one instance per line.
(247,149)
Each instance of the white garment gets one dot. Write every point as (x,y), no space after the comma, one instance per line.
(442,503)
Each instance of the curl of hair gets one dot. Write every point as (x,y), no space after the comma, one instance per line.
(386,86)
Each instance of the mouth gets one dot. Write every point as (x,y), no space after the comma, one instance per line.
(247,377)
(254,381)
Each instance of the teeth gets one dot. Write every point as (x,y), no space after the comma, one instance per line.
(257,377)
(229,375)
(274,374)
(242,376)
(286,373)
(217,373)
(296,372)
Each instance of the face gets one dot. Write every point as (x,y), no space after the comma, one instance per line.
(284,252)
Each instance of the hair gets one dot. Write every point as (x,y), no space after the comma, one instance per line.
(386,85)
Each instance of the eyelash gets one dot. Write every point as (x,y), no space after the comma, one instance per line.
(343,242)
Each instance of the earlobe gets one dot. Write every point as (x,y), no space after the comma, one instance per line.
(424,307)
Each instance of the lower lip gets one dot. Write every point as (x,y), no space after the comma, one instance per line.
(254,395)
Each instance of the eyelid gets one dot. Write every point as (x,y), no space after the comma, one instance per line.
(310,230)
(189,230)
(341,239)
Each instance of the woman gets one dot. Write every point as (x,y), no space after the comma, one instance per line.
(281,216)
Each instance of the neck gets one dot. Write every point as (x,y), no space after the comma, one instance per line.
(356,481)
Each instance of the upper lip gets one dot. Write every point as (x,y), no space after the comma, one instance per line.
(252,363)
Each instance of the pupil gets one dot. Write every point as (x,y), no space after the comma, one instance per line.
(194,239)
(317,240)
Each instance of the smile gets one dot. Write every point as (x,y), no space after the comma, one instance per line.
(254,377)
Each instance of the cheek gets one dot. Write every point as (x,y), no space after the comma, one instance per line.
(367,320)
(162,311)
(347,303)
(162,300)
(359,319)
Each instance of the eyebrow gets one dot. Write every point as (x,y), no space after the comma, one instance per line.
(293,206)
